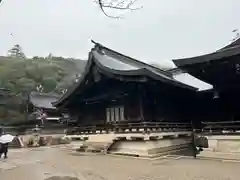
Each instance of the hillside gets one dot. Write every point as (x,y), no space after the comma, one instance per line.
(21,75)
(44,74)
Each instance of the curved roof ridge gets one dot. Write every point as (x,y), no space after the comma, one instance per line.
(130,59)
(233,44)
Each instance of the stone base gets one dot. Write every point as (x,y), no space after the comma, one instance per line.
(222,147)
(137,144)
(33,140)
(149,148)
(223,143)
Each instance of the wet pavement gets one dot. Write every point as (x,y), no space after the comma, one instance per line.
(42,163)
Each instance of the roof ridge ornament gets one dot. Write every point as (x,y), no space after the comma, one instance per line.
(98,47)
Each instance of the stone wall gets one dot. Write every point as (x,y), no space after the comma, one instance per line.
(137,144)
(224,143)
(35,140)
(150,148)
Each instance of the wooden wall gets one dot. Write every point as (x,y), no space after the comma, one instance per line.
(160,102)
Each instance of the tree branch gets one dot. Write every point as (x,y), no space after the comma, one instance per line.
(117,5)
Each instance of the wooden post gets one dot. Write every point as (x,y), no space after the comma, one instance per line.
(140,94)
(141,106)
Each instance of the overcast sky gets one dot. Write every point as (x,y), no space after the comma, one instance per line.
(161,31)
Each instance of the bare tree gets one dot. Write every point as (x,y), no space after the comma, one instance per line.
(122,5)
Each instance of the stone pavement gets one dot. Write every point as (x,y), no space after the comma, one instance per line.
(220,156)
(42,163)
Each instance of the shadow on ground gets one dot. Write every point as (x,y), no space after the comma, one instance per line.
(62,178)
(186,152)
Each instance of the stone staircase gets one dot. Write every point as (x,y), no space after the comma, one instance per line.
(95,147)
(134,144)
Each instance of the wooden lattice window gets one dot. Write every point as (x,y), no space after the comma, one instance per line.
(115,114)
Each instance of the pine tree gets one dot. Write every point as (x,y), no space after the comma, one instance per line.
(16,51)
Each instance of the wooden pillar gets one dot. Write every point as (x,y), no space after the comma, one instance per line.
(141,106)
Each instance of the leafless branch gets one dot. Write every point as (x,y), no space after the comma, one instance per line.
(117,5)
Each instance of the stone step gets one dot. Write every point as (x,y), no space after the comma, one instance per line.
(89,146)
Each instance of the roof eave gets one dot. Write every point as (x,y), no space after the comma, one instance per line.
(222,54)
(65,96)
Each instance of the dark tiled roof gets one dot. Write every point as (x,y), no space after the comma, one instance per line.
(232,49)
(175,71)
(116,63)
(43,100)
(233,44)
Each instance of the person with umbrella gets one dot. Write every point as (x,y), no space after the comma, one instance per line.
(5,139)
(4,150)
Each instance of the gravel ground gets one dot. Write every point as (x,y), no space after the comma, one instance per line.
(42,163)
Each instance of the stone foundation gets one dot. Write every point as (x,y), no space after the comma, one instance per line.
(150,148)
(137,144)
(223,143)
(222,147)
(33,140)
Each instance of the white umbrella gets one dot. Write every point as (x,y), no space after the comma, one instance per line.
(6,138)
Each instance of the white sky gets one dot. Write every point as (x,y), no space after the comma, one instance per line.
(161,31)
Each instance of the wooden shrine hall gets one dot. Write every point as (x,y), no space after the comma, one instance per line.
(222,70)
(116,91)
(41,104)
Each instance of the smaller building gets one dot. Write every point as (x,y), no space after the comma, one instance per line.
(42,112)
(40,107)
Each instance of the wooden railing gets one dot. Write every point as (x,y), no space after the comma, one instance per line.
(137,127)
(120,127)
(26,129)
(221,127)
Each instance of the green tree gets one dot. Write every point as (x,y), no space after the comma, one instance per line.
(16,52)
(42,74)
(49,84)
